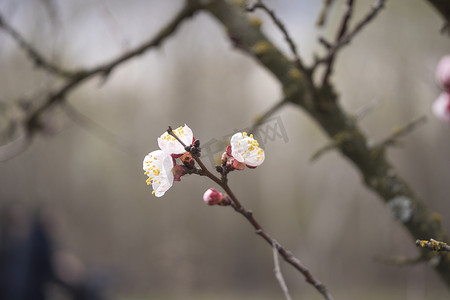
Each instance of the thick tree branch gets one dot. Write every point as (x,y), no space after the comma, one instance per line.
(443,7)
(323,106)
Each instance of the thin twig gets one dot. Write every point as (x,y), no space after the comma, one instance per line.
(401,131)
(392,140)
(433,245)
(364,110)
(278,274)
(346,39)
(297,60)
(260,119)
(32,123)
(93,127)
(34,55)
(324,13)
(337,141)
(238,207)
(14,148)
(340,33)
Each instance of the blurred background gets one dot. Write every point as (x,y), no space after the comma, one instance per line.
(85,182)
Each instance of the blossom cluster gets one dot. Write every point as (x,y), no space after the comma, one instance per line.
(161,168)
(159,164)
(441,106)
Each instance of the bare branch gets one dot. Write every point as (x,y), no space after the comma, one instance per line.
(345,40)
(401,131)
(258,120)
(32,123)
(280,25)
(443,7)
(34,55)
(238,207)
(324,12)
(433,245)
(340,33)
(93,127)
(278,274)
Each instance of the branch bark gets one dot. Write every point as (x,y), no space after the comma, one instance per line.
(322,104)
(443,7)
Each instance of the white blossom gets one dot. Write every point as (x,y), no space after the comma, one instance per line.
(158,167)
(245,149)
(169,144)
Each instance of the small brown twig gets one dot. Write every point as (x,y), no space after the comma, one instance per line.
(260,119)
(238,207)
(297,60)
(278,274)
(34,55)
(74,79)
(340,33)
(433,245)
(324,13)
(345,40)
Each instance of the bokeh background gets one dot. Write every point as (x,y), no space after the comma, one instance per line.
(141,247)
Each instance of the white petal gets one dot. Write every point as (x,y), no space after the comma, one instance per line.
(254,159)
(238,146)
(169,146)
(158,165)
(188,136)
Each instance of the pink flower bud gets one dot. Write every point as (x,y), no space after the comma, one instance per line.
(441,107)
(224,158)
(214,197)
(443,73)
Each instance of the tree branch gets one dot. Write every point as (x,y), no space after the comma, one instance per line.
(280,25)
(443,7)
(322,105)
(340,33)
(74,79)
(34,55)
(433,245)
(238,207)
(346,39)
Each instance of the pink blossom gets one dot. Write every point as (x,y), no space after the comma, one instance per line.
(214,197)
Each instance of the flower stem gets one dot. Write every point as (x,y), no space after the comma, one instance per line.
(238,207)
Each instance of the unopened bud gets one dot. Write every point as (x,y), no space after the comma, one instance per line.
(214,197)
(224,158)
(187,160)
(219,169)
